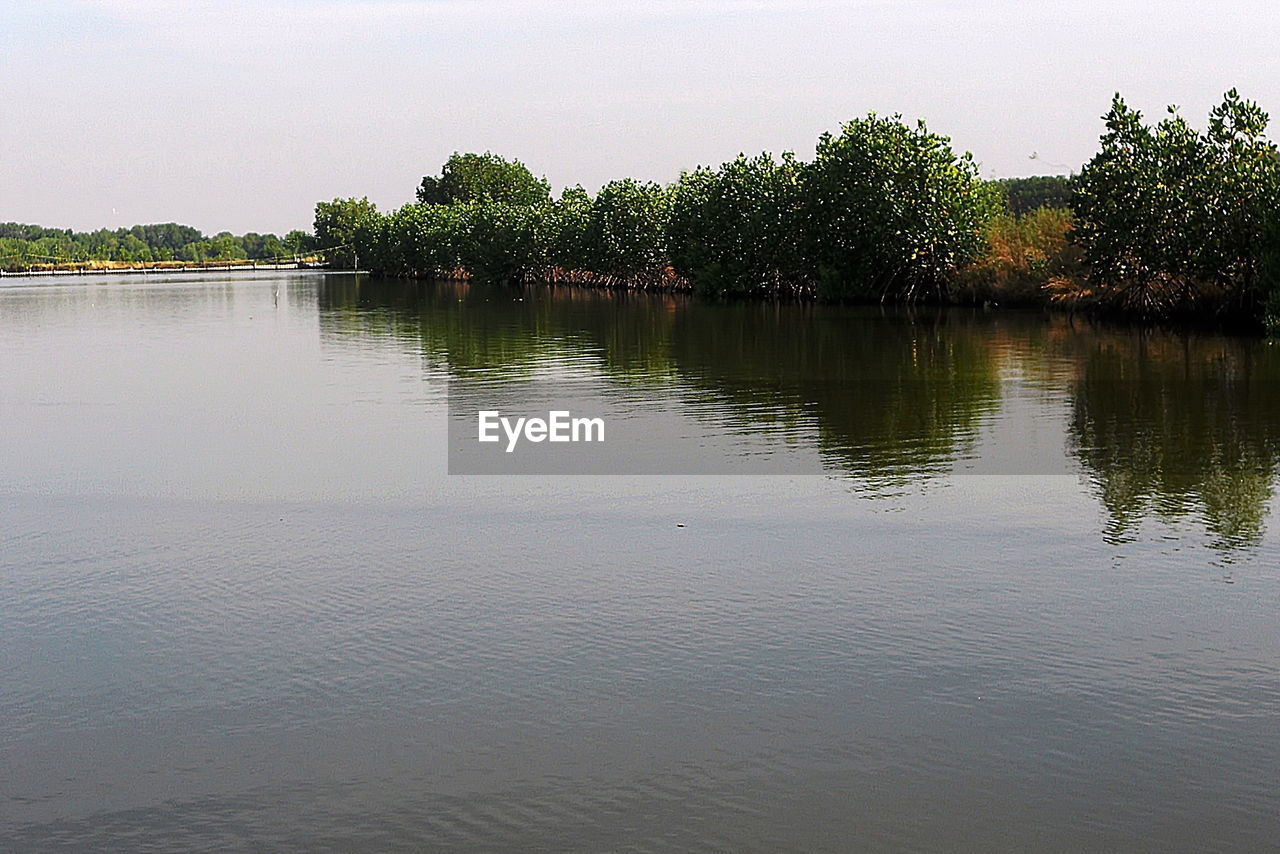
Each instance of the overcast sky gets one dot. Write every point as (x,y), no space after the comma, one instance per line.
(238,115)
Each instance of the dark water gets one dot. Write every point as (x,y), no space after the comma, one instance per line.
(243,606)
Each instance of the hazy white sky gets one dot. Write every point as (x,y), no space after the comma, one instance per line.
(238,115)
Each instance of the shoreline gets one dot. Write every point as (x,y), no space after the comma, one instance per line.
(1185,322)
(101,268)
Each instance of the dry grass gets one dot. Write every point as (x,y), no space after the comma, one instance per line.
(1030,259)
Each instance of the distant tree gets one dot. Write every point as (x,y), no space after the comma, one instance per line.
(102,244)
(1024,195)
(139,243)
(252,243)
(19,231)
(347,229)
(225,246)
(261,246)
(484,177)
(169,235)
(298,242)
(133,249)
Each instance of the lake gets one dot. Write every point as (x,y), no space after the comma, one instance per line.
(852,579)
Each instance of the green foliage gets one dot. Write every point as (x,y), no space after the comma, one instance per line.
(22,245)
(423,239)
(1163,218)
(484,177)
(262,245)
(891,211)
(298,242)
(348,229)
(1269,275)
(568,222)
(500,242)
(884,210)
(736,230)
(484,213)
(620,232)
(1024,195)
(1171,218)
(626,228)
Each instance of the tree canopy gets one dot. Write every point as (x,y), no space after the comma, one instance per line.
(484,178)
(345,227)
(1171,217)
(737,229)
(883,208)
(890,210)
(22,244)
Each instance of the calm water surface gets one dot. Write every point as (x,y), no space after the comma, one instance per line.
(243,605)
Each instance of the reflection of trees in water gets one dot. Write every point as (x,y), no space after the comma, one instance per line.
(888,395)
(472,330)
(893,396)
(1174,426)
(1166,426)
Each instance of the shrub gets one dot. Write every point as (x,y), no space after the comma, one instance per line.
(890,211)
(736,230)
(1172,219)
(1026,258)
(1024,195)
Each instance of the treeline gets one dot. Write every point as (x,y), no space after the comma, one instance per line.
(1163,222)
(23,245)
(884,211)
(1024,195)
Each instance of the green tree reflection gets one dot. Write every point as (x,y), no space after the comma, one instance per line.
(1165,426)
(886,396)
(1172,426)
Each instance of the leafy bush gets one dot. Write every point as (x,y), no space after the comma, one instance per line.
(568,222)
(1172,219)
(423,239)
(890,211)
(350,229)
(625,233)
(1163,219)
(501,242)
(736,230)
(1269,276)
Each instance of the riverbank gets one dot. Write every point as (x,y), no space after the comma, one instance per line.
(1030,263)
(90,268)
